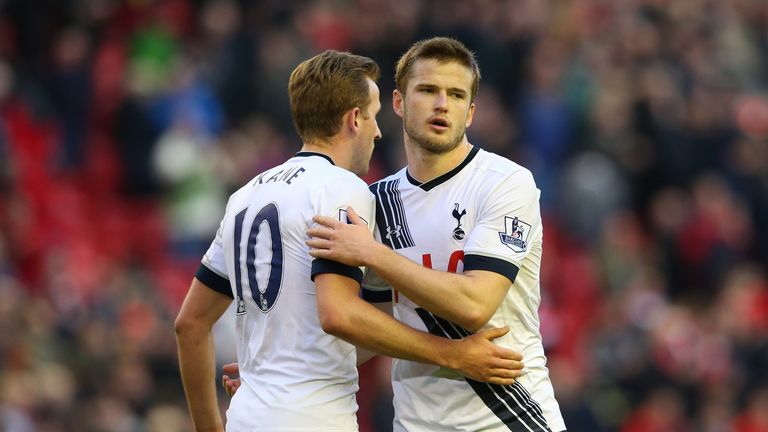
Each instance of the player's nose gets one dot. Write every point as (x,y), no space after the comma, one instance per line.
(441,102)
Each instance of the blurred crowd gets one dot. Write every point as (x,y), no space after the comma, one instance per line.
(125,125)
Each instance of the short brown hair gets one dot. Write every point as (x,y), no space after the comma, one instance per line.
(326,86)
(442,49)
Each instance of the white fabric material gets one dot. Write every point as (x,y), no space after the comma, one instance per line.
(502,222)
(295,377)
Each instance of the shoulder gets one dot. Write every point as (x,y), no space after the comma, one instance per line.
(343,180)
(389,180)
(337,183)
(502,172)
(239,195)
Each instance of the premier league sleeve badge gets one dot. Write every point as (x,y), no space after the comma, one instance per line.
(515,235)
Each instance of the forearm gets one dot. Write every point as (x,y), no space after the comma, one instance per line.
(197,364)
(344,314)
(448,295)
(373,330)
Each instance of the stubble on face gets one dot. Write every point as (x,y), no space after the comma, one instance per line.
(429,76)
(428,144)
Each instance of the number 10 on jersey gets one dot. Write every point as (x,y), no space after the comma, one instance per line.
(264,298)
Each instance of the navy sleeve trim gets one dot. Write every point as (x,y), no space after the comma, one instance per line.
(214,281)
(372,296)
(321,265)
(480,262)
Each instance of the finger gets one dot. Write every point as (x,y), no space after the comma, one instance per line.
(354,217)
(512,373)
(493,333)
(326,221)
(508,354)
(320,231)
(509,364)
(231,368)
(506,373)
(320,253)
(318,243)
(501,381)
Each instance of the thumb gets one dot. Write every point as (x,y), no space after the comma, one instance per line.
(495,332)
(354,217)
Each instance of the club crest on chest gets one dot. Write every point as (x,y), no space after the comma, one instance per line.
(458,233)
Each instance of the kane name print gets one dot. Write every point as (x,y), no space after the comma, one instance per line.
(515,235)
(279,175)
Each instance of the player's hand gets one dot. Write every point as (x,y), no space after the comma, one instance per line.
(347,243)
(230,385)
(480,359)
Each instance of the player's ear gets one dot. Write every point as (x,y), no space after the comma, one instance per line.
(397,103)
(470,115)
(351,119)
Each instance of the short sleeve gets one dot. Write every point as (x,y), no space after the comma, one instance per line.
(213,269)
(332,200)
(508,227)
(375,289)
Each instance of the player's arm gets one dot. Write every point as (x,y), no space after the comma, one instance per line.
(363,355)
(201,309)
(468,299)
(344,314)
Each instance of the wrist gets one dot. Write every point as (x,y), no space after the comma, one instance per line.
(446,354)
(371,255)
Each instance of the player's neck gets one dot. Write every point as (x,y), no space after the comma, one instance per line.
(326,149)
(425,166)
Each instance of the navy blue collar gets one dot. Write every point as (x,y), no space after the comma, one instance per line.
(445,177)
(307,153)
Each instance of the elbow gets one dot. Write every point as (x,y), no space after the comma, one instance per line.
(180,326)
(475,318)
(186,327)
(334,322)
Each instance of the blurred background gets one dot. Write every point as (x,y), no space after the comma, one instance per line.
(124,126)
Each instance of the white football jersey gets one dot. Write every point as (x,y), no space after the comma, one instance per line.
(482,215)
(295,377)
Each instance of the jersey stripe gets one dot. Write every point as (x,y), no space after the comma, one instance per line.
(400,212)
(390,215)
(238,271)
(513,404)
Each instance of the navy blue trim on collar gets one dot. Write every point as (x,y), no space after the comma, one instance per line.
(307,153)
(445,177)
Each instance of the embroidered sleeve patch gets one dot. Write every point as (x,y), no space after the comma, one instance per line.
(515,235)
(344,218)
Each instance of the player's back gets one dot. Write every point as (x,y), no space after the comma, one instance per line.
(294,375)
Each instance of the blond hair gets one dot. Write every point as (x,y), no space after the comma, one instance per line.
(326,86)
